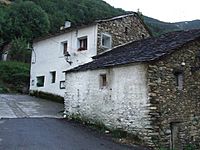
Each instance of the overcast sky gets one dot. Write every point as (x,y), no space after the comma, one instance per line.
(164,10)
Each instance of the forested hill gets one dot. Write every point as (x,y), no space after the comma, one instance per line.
(160,27)
(76,11)
(33,18)
(29,19)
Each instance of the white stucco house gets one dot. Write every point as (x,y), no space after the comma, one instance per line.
(74,46)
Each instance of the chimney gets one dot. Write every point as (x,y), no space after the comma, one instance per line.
(67,24)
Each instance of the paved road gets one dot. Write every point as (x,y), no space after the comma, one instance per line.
(29,123)
(21,106)
(51,134)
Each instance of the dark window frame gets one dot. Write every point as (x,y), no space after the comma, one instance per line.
(53,76)
(126,30)
(179,79)
(65,48)
(82,43)
(103,81)
(40,81)
(62,84)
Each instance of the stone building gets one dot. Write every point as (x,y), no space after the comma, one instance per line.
(74,46)
(150,88)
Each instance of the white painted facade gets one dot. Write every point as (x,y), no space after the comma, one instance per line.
(47,56)
(123,103)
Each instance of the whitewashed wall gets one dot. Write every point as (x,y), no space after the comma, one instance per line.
(48,56)
(123,104)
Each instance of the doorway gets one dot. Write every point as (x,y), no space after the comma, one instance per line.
(175,142)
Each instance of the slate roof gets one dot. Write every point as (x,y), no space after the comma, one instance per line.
(141,51)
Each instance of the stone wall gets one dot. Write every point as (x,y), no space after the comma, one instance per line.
(122,104)
(122,30)
(175,113)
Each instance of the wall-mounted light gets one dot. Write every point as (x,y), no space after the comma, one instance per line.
(183,63)
(67,58)
(31,49)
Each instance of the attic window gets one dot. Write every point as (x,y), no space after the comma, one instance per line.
(82,44)
(179,79)
(106,40)
(103,81)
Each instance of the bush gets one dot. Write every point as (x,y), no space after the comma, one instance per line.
(14,76)
(47,96)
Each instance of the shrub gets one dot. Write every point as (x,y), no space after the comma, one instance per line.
(14,76)
(47,96)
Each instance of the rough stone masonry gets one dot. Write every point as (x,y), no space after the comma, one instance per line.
(172,109)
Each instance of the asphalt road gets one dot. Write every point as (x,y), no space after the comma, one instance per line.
(52,134)
(21,106)
(29,123)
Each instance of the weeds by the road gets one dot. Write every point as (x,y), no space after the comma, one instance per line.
(117,134)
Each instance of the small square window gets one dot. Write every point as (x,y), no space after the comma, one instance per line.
(106,41)
(62,84)
(40,81)
(53,76)
(65,47)
(82,44)
(103,81)
(179,80)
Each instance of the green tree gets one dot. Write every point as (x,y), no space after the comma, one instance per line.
(76,11)
(3,12)
(19,51)
(26,19)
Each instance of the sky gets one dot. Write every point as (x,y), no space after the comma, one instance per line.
(164,10)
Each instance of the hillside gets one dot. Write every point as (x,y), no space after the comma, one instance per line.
(76,11)
(195,24)
(54,13)
(160,27)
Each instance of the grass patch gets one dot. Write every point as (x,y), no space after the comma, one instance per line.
(118,134)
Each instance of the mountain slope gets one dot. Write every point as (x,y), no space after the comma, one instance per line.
(159,27)
(185,25)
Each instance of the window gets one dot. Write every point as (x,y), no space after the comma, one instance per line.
(53,76)
(65,45)
(32,82)
(62,84)
(40,81)
(82,44)
(179,80)
(143,36)
(103,80)
(126,30)
(106,40)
